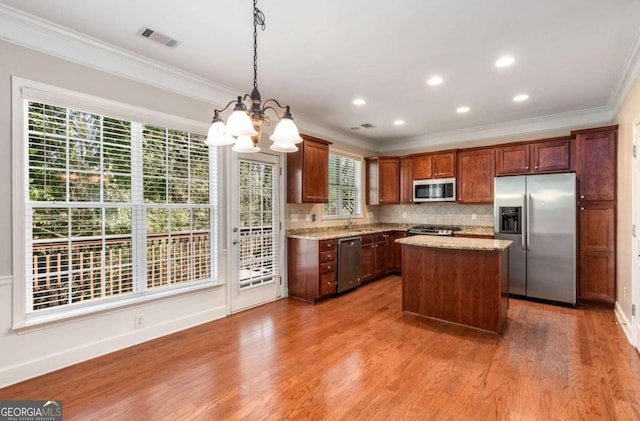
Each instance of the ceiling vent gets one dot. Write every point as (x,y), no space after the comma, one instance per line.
(368,126)
(158,37)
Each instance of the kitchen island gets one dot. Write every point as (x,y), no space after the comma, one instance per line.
(459,280)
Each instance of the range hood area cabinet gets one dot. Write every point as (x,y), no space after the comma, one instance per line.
(596,171)
(434,165)
(308,172)
(382,175)
(542,156)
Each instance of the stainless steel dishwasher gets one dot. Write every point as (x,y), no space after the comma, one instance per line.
(349,263)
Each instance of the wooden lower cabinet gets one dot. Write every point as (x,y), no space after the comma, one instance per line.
(597,277)
(596,245)
(311,268)
(397,251)
(367,257)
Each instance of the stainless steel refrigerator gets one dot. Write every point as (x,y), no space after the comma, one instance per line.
(538,213)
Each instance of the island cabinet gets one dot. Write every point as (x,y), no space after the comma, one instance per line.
(406,179)
(596,173)
(464,281)
(312,267)
(434,165)
(308,172)
(476,170)
(382,180)
(548,155)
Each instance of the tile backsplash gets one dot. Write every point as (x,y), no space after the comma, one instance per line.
(299,215)
(438,214)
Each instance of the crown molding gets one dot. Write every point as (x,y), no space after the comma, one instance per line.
(556,122)
(628,76)
(29,31)
(26,30)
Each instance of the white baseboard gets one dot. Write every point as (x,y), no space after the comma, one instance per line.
(20,372)
(624,323)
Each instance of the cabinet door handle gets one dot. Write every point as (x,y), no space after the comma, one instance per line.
(581,208)
(536,167)
(526,168)
(582,196)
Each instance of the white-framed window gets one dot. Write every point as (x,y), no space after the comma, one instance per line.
(345,193)
(115,208)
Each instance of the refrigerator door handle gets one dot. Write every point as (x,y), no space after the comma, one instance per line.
(524,232)
(528,221)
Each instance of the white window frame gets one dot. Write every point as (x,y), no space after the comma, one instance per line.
(24,89)
(360,188)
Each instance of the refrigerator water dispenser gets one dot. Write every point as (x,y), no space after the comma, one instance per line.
(510,219)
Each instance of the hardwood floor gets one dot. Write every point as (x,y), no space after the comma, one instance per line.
(357,357)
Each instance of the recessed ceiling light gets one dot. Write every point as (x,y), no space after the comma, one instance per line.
(521,97)
(435,80)
(398,122)
(359,101)
(463,109)
(505,61)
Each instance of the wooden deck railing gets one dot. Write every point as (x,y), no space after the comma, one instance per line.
(65,273)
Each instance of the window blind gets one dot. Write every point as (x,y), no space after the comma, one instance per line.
(85,186)
(344,186)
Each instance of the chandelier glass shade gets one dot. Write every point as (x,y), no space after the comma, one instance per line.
(244,126)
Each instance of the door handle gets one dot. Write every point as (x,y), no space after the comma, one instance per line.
(524,214)
(528,222)
(235,242)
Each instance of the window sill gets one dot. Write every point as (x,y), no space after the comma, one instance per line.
(43,321)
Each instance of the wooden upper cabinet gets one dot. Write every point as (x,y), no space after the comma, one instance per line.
(476,170)
(597,163)
(444,165)
(308,172)
(513,159)
(551,156)
(406,180)
(422,167)
(438,165)
(382,180)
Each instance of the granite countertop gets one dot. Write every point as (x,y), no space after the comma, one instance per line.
(474,230)
(330,233)
(455,243)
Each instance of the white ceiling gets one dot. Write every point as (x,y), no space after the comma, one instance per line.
(572,56)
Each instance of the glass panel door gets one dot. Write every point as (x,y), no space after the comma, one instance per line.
(255,233)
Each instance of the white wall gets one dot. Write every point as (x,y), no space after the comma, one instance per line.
(627,117)
(35,352)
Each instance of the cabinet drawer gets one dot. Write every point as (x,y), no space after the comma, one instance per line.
(326,245)
(382,237)
(327,256)
(327,267)
(327,284)
(367,239)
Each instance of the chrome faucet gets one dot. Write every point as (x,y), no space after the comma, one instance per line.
(350,223)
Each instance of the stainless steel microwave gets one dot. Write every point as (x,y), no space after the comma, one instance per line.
(438,190)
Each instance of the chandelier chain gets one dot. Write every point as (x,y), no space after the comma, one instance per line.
(258,19)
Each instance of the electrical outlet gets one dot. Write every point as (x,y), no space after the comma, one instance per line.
(138,321)
(294,217)
(474,216)
(624,292)
(404,214)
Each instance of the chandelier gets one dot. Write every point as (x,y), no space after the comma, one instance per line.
(244,125)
